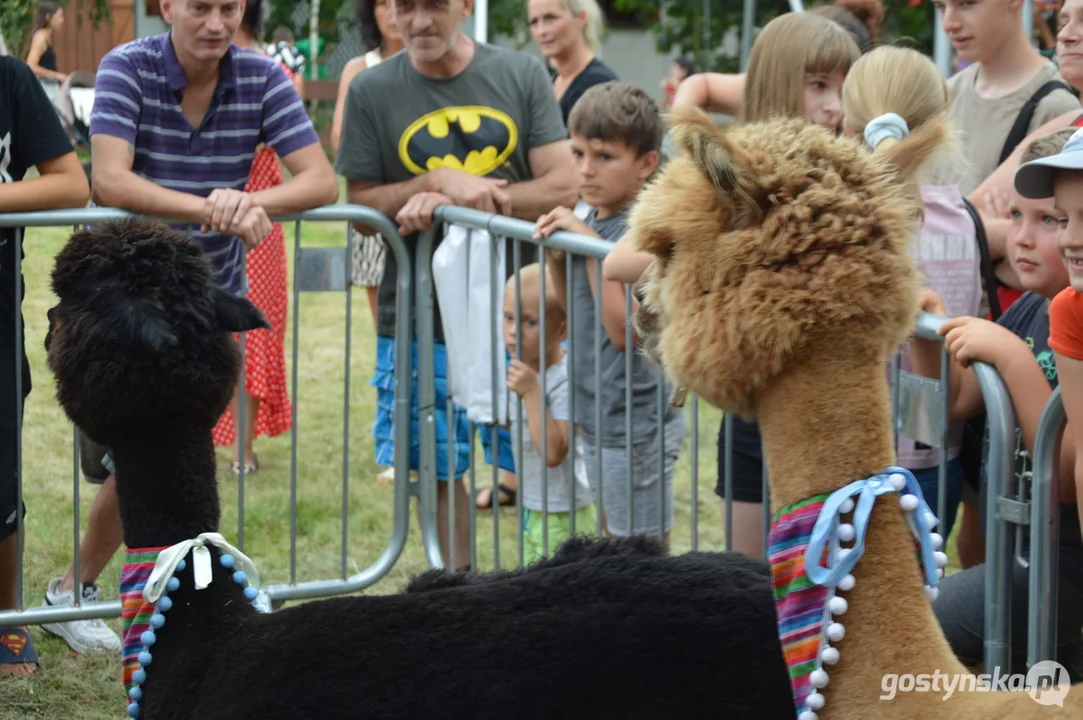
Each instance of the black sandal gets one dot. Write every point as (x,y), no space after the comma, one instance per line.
(507,497)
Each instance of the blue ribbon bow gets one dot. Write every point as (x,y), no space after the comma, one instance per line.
(825,529)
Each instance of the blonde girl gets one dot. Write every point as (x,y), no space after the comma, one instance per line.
(724,92)
(889,93)
(796,69)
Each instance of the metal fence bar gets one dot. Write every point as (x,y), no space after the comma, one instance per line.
(426,397)
(998,560)
(544,405)
(20,525)
(294,370)
(274,593)
(573,434)
(1045,533)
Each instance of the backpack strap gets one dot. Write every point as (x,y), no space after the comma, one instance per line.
(1026,114)
(988,272)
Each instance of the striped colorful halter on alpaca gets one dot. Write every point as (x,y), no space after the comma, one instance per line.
(147,578)
(136,611)
(809,566)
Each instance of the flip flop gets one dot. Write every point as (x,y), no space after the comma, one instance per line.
(249,468)
(507,497)
(16,646)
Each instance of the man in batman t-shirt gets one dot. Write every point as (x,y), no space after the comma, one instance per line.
(448,122)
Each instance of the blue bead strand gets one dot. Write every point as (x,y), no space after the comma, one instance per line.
(241,578)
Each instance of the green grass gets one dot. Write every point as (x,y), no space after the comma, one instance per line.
(84,687)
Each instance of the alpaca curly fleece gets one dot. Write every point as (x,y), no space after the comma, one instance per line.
(144,361)
(784,280)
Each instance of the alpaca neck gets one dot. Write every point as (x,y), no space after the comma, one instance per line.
(166,486)
(825,427)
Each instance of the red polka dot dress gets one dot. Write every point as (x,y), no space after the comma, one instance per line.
(265,358)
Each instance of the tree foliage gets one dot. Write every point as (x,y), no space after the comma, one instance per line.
(17,20)
(332,14)
(702,27)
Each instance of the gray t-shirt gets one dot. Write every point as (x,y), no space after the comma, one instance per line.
(610,388)
(399,123)
(529,467)
(986,122)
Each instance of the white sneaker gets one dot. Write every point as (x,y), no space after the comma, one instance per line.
(83,636)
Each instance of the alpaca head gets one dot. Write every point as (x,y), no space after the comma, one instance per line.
(139,340)
(776,242)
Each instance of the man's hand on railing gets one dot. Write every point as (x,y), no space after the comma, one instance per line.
(235,213)
(224,209)
(470,191)
(416,214)
(254,226)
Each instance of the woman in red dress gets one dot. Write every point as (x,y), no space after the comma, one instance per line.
(268,410)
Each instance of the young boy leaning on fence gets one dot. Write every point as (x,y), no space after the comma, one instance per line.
(1017,346)
(538,348)
(616,134)
(30,136)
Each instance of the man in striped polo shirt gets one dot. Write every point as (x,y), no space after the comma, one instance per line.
(176,123)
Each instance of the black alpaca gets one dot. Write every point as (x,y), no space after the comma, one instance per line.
(140,345)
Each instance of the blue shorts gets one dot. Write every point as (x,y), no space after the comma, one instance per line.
(455,430)
(503,437)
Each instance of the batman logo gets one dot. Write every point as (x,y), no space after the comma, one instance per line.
(475,138)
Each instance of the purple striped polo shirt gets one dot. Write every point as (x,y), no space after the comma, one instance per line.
(137,98)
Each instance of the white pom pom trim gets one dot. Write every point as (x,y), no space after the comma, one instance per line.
(836,632)
(815,701)
(938,540)
(808,715)
(846,532)
(847,583)
(829,655)
(847,506)
(941,559)
(909,503)
(819,679)
(932,593)
(837,606)
(897,481)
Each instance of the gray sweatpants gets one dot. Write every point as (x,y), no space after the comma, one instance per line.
(652,493)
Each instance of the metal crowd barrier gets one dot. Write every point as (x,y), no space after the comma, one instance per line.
(321,269)
(908,392)
(1044,520)
(316,269)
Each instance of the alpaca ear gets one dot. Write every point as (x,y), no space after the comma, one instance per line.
(908,155)
(146,324)
(709,148)
(236,314)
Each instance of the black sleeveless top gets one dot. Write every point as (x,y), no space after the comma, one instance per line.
(595,73)
(48,59)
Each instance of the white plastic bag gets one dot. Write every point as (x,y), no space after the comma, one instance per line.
(462,272)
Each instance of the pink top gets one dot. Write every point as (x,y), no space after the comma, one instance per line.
(946,250)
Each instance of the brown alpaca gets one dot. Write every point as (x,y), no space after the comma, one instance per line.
(783,283)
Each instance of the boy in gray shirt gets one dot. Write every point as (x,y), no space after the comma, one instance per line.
(616,133)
